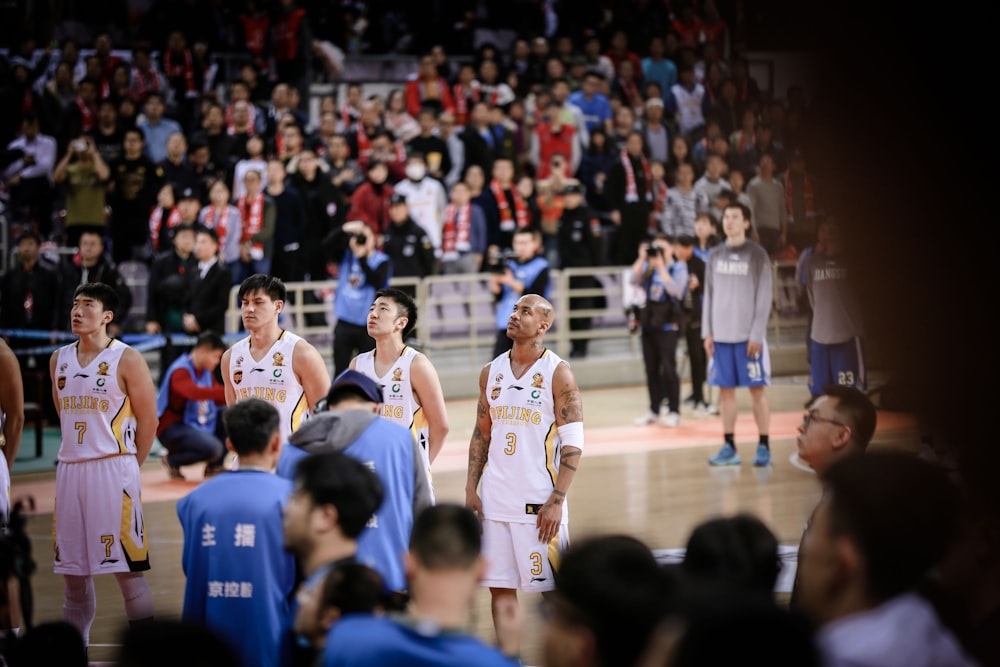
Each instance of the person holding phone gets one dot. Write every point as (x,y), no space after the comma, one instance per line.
(85,174)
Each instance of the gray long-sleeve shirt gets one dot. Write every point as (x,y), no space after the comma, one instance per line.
(768,203)
(836,315)
(737,300)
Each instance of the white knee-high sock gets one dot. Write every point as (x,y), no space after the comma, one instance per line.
(80,604)
(137,594)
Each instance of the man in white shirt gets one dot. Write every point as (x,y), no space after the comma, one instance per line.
(29,177)
(425,198)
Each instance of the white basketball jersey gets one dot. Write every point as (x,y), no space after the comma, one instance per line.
(95,414)
(523,460)
(399,405)
(271,379)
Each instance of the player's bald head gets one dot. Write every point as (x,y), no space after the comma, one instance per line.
(540,305)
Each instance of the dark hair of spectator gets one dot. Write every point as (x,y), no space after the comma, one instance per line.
(211,340)
(250,425)
(737,552)
(345,483)
(446,537)
(899,510)
(858,410)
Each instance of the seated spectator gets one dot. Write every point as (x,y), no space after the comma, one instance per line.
(425,197)
(444,564)
(29,293)
(254,161)
(885,522)
(176,170)
(259,218)
(108,134)
(188,405)
(135,182)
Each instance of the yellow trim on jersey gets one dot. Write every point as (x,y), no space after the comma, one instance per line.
(550,452)
(554,556)
(298,411)
(135,554)
(118,423)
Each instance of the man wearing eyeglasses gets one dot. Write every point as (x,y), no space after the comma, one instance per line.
(838,423)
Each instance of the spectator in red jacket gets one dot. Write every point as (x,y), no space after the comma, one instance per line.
(370,201)
(554,136)
(428,89)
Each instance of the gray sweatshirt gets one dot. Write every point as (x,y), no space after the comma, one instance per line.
(336,430)
(737,300)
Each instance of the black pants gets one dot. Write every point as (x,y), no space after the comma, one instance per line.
(349,340)
(659,353)
(698,359)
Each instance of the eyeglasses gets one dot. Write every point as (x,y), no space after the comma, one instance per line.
(812,416)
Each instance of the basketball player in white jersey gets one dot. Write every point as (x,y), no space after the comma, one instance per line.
(529,430)
(411,389)
(106,401)
(11,422)
(273,364)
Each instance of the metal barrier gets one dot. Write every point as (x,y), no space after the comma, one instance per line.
(457,315)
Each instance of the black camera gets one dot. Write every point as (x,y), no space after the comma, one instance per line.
(654,250)
(360,238)
(497,261)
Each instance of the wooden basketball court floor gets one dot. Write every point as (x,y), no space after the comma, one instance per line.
(651,482)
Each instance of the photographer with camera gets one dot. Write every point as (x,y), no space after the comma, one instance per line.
(364,269)
(85,174)
(664,282)
(527,272)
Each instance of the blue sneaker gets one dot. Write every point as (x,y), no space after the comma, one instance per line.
(763,457)
(727,456)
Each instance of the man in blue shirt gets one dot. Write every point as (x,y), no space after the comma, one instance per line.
(526,273)
(445,564)
(240,578)
(156,128)
(335,497)
(595,105)
(363,270)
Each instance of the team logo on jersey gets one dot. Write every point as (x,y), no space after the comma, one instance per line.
(499,378)
(256,370)
(495,394)
(102,368)
(80,375)
(238,376)
(239,361)
(61,382)
(395,388)
(537,381)
(63,367)
(279,359)
(397,374)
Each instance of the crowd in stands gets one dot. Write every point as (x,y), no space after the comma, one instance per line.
(648,122)
(131,139)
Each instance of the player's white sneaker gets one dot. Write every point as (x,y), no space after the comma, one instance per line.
(672,420)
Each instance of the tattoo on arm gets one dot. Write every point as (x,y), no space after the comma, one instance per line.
(559,493)
(570,404)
